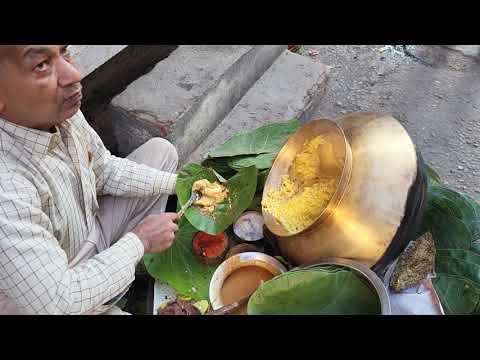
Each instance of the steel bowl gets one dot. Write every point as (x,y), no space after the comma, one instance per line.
(375,283)
(236,262)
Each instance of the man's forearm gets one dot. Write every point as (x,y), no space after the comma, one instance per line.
(123,177)
(77,290)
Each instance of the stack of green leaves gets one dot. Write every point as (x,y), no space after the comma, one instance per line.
(454,220)
(242,164)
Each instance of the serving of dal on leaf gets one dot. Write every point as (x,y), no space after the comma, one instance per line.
(213,193)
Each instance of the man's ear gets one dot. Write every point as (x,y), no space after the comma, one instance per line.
(2,106)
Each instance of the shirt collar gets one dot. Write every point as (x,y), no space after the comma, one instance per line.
(35,141)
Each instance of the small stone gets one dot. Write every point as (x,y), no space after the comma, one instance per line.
(460,180)
(475,145)
(343,112)
(460,167)
(338,103)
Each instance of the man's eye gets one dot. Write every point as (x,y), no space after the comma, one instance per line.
(42,66)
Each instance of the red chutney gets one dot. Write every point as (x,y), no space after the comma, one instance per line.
(209,246)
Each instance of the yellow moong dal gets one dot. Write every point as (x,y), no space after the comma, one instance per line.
(212,195)
(304,191)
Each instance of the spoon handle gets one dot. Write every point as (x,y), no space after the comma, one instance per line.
(230,308)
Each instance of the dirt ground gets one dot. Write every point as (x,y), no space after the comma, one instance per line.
(432,90)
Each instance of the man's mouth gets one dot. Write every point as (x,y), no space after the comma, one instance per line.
(73,100)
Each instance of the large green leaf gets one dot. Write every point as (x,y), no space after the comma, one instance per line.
(322,290)
(458,295)
(261,162)
(179,267)
(465,255)
(464,267)
(454,218)
(266,139)
(220,165)
(241,189)
(432,176)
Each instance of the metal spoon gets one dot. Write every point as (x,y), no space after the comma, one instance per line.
(194,197)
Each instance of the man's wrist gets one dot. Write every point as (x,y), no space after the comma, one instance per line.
(146,244)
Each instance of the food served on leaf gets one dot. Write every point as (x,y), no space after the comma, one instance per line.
(210,249)
(414,264)
(212,194)
(306,189)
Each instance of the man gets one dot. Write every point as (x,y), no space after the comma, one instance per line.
(74,220)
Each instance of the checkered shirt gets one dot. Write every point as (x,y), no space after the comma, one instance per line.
(49,183)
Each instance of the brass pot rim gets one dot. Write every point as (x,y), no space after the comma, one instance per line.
(340,187)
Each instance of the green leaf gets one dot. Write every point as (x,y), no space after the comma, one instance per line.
(256,204)
(266,139)
(261,162)
(465,255)
(454,218)
(432,176)
(179,267)
(463,267)
(241,189)
(220,165)
(262,178)
(322,290)
(458,295)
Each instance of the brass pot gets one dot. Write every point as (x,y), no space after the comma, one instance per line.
(379,193)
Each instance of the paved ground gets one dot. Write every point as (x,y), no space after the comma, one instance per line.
(433,91)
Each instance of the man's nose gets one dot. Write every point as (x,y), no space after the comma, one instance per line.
(67,73)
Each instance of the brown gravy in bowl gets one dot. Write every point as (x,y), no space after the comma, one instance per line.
(241,283)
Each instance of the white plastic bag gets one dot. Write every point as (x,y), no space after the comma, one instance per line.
(418,300)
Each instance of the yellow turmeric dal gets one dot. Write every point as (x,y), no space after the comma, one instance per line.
(304,191)
(212,195)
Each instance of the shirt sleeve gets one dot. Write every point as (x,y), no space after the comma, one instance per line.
(123,177)
(34,270)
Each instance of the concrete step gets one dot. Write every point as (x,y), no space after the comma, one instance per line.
(185,96)
(291,87)
(109,69)
(88,58)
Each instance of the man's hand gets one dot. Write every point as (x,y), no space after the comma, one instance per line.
(157,232)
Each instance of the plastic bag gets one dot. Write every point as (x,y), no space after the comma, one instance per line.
(418,300)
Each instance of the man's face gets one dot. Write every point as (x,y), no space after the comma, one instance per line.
(39,86)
